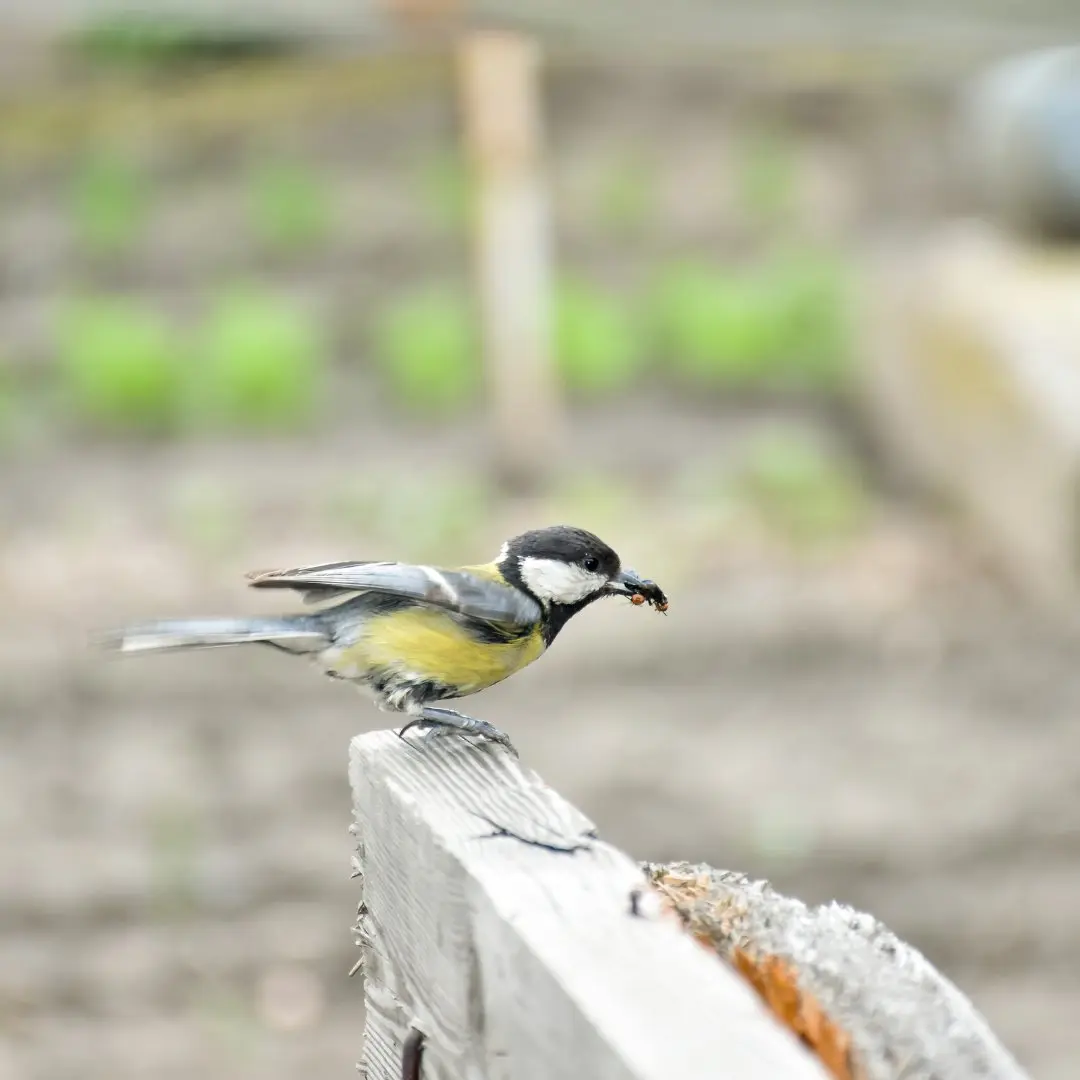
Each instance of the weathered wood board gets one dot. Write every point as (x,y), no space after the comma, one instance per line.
(496,922)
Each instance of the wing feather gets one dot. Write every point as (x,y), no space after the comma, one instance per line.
(454,590)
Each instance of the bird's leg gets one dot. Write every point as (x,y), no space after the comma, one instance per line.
(444,721)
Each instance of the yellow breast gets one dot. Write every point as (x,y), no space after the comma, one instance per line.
(425,643)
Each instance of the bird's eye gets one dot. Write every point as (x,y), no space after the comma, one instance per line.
(591,563)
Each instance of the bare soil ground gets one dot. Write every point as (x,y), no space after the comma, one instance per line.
(880,725)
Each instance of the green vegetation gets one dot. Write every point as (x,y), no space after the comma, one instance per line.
(289,207)
(812,309)
(122,367)
(713,328)
(778,324)
(425,345)
(255,363)
(154,42)
(259,365)
(800,488)
(109,204)
(597,344)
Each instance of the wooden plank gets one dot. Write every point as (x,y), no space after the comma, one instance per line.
(495,921)
(870,1005)
(500,104)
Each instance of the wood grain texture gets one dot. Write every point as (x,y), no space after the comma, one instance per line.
(495,921)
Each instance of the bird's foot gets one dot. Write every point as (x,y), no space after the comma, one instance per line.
(438,722)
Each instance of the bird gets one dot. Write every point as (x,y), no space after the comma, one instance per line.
(416,636)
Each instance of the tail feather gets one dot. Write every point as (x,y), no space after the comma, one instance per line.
(298,633)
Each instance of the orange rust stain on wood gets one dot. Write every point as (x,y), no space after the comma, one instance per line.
(776,982)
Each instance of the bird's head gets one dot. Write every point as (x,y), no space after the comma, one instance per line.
(563,566)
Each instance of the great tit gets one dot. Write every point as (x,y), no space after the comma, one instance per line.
(413,636)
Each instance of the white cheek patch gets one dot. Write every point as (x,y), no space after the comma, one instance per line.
(559,582)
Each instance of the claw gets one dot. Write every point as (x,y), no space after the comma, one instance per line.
(414,722)
(440,721)
(504,740)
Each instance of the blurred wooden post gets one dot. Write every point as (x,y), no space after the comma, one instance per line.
(498,78)
(972,377)
(972,334)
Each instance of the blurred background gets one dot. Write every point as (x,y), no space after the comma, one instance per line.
(781,303)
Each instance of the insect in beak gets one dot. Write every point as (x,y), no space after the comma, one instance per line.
(639,590)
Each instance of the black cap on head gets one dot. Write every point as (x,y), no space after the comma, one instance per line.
(566,543)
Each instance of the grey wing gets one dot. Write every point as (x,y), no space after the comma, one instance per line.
(454,590)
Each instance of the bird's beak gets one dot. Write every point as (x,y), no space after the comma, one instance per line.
(627,583)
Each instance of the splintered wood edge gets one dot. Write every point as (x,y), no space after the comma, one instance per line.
(861,998)
(495,920)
